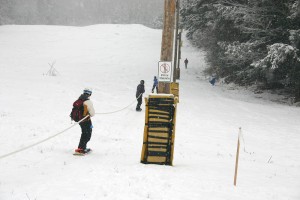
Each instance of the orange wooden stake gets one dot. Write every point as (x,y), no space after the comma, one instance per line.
(237,157)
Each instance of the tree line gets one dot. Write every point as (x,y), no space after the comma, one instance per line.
(247,42)
(81,12)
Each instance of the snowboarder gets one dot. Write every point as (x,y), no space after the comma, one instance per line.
(155,84)
(139,95)
(186,62)
(86,125)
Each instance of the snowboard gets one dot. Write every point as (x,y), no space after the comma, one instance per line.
(82,154)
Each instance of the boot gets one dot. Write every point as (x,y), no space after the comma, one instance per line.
(79,150)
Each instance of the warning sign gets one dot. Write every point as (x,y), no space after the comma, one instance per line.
(164,71)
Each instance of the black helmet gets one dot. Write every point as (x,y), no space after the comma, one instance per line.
(142,82)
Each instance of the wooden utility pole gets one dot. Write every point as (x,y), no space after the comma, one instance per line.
(167,39)
(179,54)
(176,60)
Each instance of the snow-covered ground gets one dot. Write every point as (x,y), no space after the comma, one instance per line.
(112,59)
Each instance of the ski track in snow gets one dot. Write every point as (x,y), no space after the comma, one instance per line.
(112,59)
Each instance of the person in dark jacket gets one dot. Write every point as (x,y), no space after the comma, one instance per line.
(186,61)
(212,80)
(139,95)
(155,84)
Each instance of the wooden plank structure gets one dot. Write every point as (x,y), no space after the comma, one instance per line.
(159,130)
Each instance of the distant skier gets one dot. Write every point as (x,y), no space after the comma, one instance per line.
(139,95)
(155,85)
(86,125)
(186,61)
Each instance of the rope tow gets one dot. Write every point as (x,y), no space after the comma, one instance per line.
(44,140)
(50,137)
(118,110)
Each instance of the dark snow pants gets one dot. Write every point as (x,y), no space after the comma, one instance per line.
(139,100)
(86,133)
(154,86)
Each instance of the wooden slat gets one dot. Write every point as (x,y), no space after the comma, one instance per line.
(156,159)
(157,140)
(158,111)
(159,120)
(157,149)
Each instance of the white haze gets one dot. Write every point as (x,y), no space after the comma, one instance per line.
(112,59)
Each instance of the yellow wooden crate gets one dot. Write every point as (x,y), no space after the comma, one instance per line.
(159,130)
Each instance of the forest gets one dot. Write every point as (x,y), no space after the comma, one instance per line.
(82,12)
(250,43)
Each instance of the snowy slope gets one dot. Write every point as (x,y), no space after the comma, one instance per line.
(112,59)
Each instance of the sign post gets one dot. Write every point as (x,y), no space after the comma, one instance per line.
(164,71)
